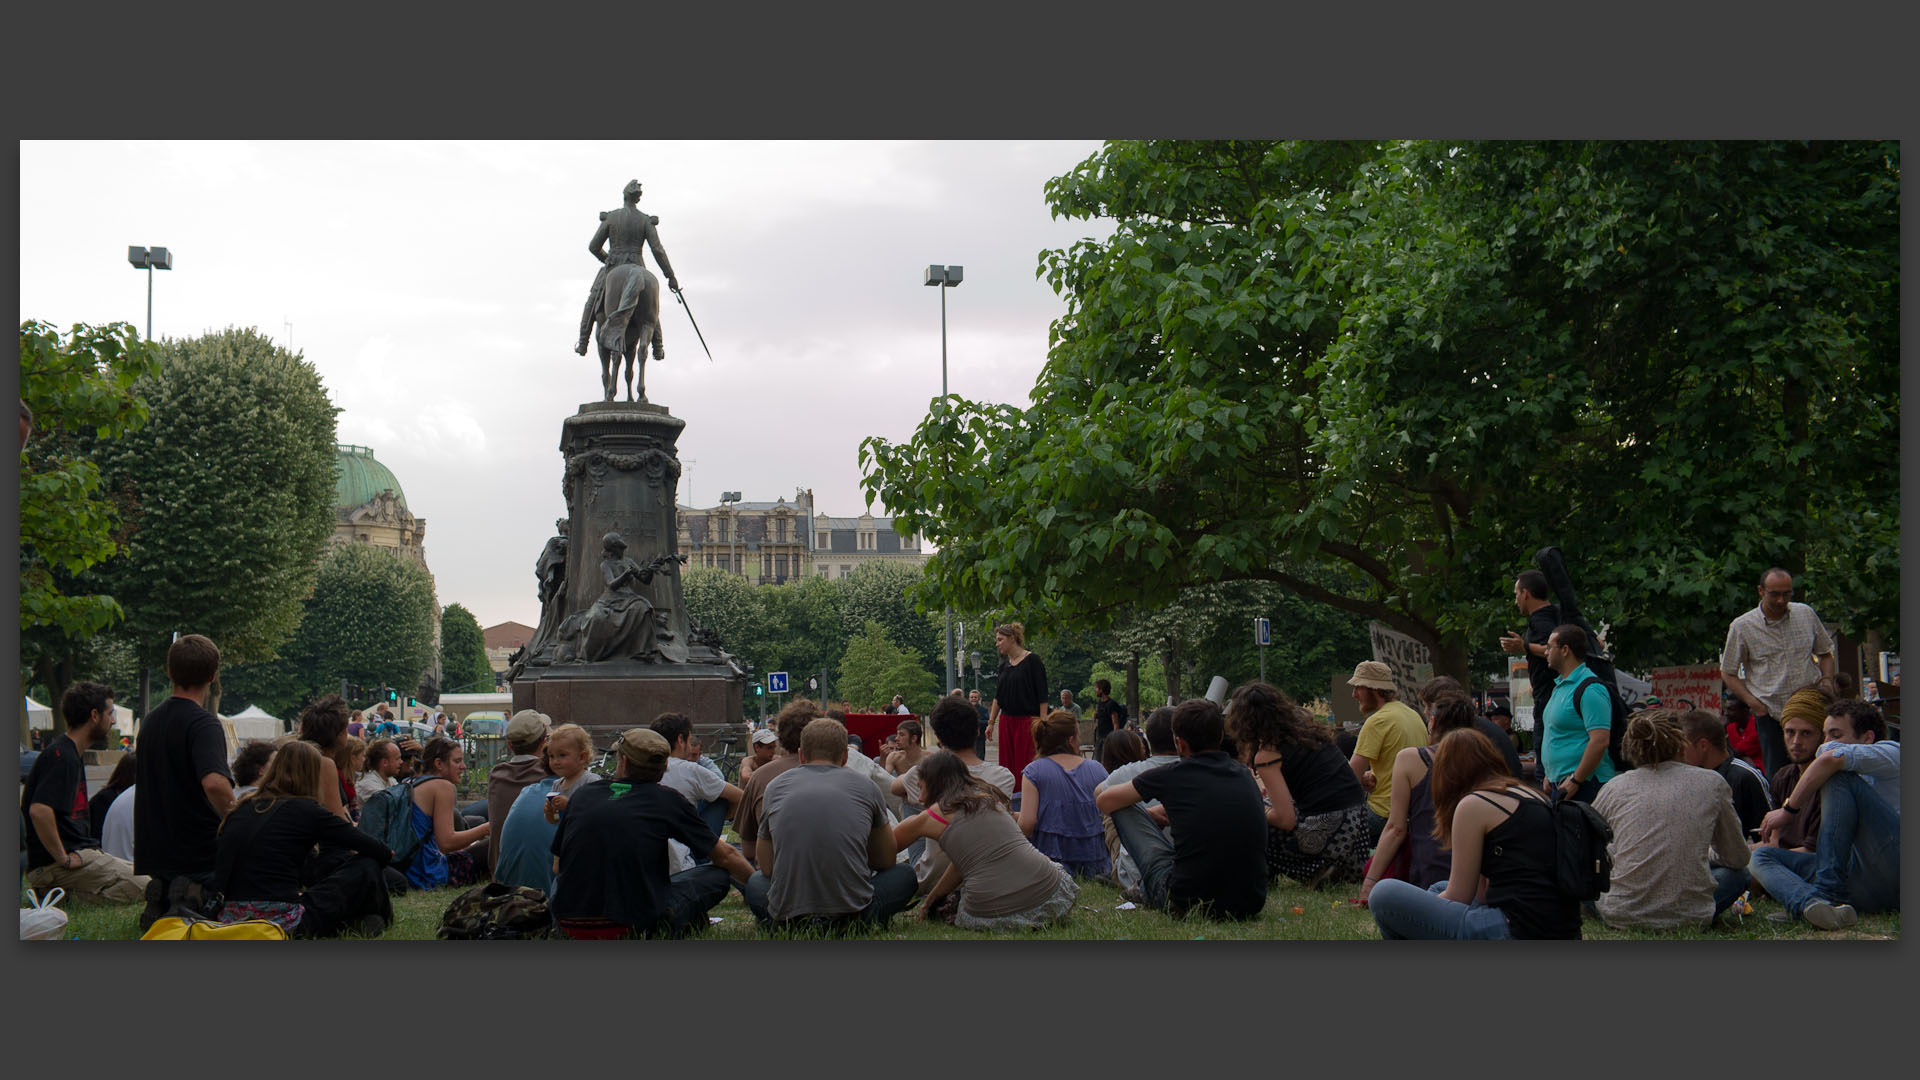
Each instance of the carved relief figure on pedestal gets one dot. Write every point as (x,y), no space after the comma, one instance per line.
(623,623)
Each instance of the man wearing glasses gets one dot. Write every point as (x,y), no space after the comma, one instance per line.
(1771,651)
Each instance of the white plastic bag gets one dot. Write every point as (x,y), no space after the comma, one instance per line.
(40,920)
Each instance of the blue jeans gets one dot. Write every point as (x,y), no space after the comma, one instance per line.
(893,889)
(1858,856)
(1728,884)
(691,894)
(1406,911)
(714,814)
(1152,852)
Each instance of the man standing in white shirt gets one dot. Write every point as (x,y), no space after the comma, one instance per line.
(1771,651)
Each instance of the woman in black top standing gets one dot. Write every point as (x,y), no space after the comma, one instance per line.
(1502,834)
(266,867)
(1317,827)
(1018,696)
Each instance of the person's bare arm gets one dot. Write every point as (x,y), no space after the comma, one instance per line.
(881,852)
(1597,740)
(440,808)
(1399,807)
(949,881)
(1471,820)
(1117,797)
(1740,691)
(330,789)
(732,795)
(1812,779)
(1030,808)
(219,792)
(1827,664)
(48,831)
(727,858)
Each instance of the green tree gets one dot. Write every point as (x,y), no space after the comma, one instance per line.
(81,386)
(889,593)
(369,621)
(463,652)
(231,493)
(874,669)
(1411,365)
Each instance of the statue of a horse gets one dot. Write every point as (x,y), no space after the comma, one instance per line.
(629,318)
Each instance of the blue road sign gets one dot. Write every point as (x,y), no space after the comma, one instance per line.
(776,682)
(1262,633)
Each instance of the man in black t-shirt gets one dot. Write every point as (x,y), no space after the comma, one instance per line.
(610,852)
(1707,749)
(1108,714)
(1216,860)
(1530,596)
(61,850)
(185,789)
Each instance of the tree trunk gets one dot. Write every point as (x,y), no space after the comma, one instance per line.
(1133,685)
(1170,660)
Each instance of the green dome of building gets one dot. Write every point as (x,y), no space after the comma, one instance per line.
(358,477)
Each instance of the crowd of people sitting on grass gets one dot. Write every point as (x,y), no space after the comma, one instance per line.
(1433,818)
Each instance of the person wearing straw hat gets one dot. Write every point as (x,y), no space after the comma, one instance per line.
(1389,728)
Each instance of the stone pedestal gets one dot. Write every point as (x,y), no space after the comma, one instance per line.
(622,469)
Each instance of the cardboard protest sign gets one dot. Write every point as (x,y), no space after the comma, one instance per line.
(1692,686)
(1410,661)
(1520,693)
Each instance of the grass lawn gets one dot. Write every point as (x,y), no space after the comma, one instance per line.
(1321,916)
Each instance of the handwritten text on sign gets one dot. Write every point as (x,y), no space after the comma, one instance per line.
(1410,661)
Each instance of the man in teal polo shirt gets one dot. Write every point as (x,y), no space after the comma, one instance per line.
(1573,754)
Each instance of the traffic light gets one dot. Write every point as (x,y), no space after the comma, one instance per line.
(758,690)
(392,694)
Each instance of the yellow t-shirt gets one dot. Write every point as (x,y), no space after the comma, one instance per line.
(1387,732)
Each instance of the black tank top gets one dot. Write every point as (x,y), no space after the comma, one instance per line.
(1517,859)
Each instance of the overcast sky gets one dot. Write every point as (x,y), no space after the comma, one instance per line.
(437,288)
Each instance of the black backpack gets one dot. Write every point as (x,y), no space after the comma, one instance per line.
(1617,731)
(1582,865)
(388,818)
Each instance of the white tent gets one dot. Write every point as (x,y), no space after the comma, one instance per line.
(250,724)
(41,718)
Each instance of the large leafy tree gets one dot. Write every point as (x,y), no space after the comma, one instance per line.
(369,622)
(463,653)
(1411,365)
(874,668)
(81,387)
(230,494)
(888,593)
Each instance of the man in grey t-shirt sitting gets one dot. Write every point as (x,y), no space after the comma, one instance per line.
(826,853)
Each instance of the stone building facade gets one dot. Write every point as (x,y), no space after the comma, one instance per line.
(771,543)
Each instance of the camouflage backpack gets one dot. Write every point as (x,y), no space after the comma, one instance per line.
(494,912)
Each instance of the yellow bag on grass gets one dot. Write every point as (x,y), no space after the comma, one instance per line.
(174,928)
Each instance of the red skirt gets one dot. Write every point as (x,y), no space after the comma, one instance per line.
(1016,745)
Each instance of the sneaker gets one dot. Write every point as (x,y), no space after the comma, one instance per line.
(1828,916)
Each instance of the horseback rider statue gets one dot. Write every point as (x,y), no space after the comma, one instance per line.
(626,303)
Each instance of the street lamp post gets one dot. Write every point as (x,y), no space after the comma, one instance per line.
(945,277)
(148,259)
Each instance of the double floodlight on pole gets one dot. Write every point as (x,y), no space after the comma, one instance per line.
(946,277)
(150,259)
